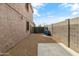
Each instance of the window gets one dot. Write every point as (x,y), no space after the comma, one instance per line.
(27,26)
(27,6)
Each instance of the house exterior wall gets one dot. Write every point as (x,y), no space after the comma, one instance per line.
(13,19)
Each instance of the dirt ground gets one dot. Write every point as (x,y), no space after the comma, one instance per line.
(29,46)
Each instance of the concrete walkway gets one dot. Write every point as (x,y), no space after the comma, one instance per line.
(52,49)
(55,49)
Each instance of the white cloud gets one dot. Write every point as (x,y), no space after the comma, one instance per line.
(37,5)
(65,5)
(36,12)
(74,13)
(50,20)
(74,7)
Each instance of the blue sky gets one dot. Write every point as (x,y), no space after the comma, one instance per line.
(49,13)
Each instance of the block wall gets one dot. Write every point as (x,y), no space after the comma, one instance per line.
(61,30)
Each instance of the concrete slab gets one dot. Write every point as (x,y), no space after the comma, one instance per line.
(53,49)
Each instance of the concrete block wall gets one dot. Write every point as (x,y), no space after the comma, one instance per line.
(12,27)
(74,34)
(61,30)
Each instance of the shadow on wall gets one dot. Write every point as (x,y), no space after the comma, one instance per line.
(42,30)
(38,29)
